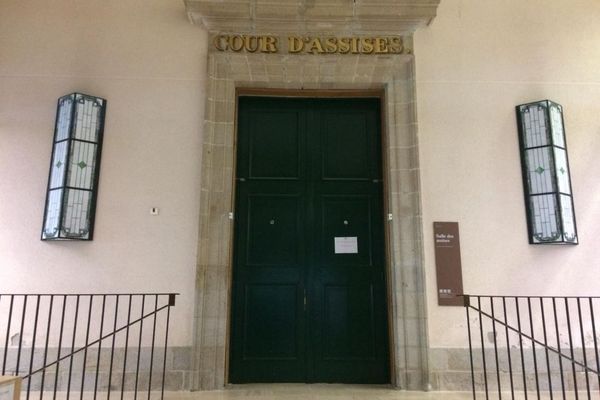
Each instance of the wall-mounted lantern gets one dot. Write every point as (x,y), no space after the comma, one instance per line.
(74,168)
(546,176)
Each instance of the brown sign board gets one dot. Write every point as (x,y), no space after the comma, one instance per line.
(447,263)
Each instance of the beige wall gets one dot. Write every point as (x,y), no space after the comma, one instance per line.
(145,58)
(475,63)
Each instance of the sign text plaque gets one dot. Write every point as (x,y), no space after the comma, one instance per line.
(447,262)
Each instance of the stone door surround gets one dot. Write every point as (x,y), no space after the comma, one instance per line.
(390,75)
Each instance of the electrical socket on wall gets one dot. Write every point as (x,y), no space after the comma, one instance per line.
(154,211)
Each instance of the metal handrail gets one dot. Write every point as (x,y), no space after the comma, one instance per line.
(507,314)
(17,317)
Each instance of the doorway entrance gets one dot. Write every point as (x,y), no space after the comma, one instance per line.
(309,291)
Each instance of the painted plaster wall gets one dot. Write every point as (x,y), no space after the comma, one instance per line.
(145,58)
(474,64)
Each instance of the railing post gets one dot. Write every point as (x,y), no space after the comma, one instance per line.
(10,311)
(466,304)
(480,316)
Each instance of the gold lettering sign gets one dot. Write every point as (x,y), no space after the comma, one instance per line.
(309,44)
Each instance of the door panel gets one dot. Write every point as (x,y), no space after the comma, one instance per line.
(308,172)
(273,226)
(346,310)
(353,159)
(268,317)
(269,329)
(266,134)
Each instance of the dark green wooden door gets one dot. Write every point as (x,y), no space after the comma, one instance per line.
(309,293)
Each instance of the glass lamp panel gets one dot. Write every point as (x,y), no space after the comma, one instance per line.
(568,217)
(540,170)
(51,224)
(76,214)
(59,165)
(558,131)
(535,128)
(562,170)
(545,218)
(75,163)
(88,112)
(82,164)
(63,124)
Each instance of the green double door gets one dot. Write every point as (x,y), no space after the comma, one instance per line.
(309,291)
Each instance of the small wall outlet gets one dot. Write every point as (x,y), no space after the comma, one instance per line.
(154,211)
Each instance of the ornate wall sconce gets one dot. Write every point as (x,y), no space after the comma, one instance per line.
(546,176)
(74,168)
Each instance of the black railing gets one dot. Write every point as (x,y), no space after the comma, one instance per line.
(73,344)
(533,346)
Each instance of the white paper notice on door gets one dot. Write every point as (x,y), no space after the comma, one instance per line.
(346,245)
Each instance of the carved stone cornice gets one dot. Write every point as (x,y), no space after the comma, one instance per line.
(391,17)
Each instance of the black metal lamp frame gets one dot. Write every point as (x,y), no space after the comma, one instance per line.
(548,200)
(72,191)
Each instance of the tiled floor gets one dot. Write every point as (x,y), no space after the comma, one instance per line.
(314,392)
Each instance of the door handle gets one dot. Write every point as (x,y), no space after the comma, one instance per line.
(304,299)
